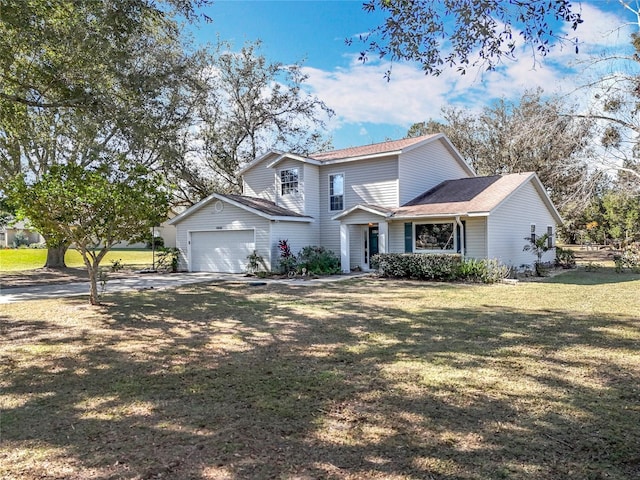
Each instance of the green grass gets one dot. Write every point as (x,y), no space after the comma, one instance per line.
(366,379)
(12,260)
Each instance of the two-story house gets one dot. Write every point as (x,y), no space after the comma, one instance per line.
(411,195)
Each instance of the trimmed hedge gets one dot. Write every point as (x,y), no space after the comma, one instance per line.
(438,267)
(418,266)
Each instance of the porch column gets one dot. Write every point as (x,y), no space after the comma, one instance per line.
(344,248)
(383,237)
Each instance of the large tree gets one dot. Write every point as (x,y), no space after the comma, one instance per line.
(531,134)
(615,108)
(108,80)
(93,207)
(253,105)
(462,33)
(65,53)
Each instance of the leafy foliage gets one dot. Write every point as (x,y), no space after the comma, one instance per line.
(538,245)
(168,259)
(252,105)
(628,259)
(70,53)
(254,262)
(482,270)
(565,258)
(441,267)
(459,34)
(612,217)
(533,134)
(288,261)
(92,83)
(318,261)
(94,208)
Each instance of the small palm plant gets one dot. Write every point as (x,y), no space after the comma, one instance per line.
(538,246)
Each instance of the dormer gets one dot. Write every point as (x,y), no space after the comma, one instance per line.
(289,180)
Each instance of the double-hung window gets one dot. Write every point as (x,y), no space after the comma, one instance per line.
(430,237)
(289,181)
(336,191)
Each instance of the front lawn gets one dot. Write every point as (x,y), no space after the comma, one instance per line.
(17,259)
(366,379)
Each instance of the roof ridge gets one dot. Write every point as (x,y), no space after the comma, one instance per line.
(370,148)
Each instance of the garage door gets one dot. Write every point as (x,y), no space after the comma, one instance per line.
(221,251)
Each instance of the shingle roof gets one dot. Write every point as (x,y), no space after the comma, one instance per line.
(373,149)
(463,196)
(265,206)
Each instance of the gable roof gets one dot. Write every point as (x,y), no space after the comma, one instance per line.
(472,196)
(374,150)
(365,207)
(394,146)
(258,206)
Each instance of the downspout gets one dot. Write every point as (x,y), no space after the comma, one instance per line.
(462,245)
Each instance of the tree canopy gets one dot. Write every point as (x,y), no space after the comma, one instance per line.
(459,33)
(532,134)
(68,53)
(251,105)
(102,84)
(94,207)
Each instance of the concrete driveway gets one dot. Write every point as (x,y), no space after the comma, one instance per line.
(148,282)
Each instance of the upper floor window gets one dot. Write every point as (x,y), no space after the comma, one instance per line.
(289,181)
(336,191)
(434,236)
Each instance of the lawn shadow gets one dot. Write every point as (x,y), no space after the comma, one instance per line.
(222,381)
(599,276)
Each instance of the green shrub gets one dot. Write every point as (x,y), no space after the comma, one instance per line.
(483,270)
(565,258)
(167,259)
(439,267)
(288,262)
(419,266)
(318,261)
(254,261)
(629,258)
(21,239)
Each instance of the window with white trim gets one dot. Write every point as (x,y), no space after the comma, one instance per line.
(549,236)
(533,233)
(431,237)
(336,191)
(289,181)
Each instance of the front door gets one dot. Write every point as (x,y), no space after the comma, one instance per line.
(370,245)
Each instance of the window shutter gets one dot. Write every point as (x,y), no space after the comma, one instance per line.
(464,225)
(408,237)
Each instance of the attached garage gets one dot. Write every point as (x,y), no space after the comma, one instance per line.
(221,250)
(218,233)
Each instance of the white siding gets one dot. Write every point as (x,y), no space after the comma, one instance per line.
(425,167)
(396,237)
(370,181)
(298,234)
(476,237)
(311,175)
(260,182)
(231,217)
(356,245)
(292,201)
(511,222)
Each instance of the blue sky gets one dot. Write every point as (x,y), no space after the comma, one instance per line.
(369,109)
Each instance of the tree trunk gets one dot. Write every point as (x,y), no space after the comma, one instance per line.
(94,297)
(55,256)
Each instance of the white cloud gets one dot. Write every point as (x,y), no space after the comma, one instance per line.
(360,94)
